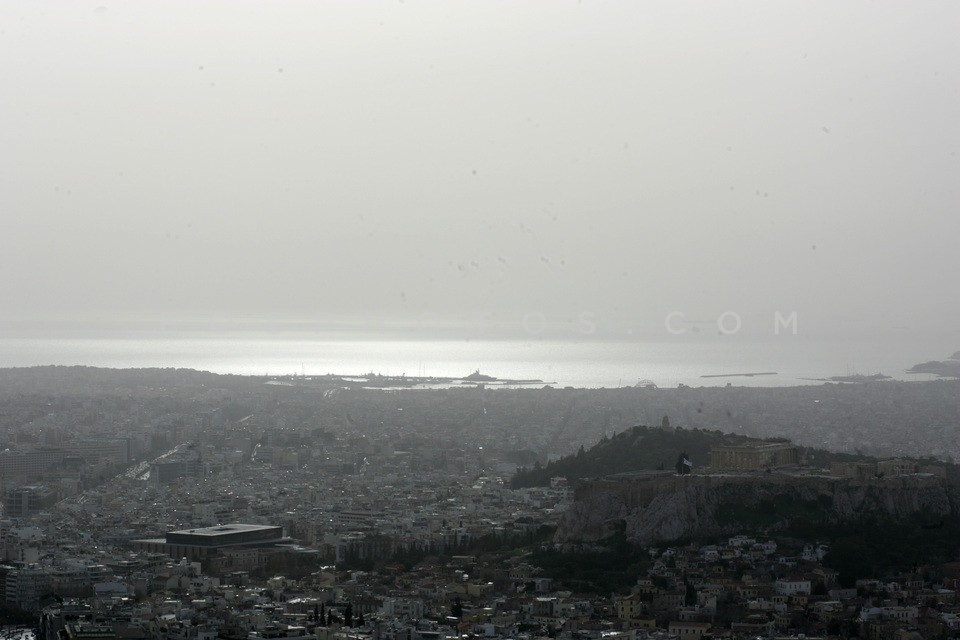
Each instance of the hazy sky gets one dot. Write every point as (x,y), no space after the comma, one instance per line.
(489,166)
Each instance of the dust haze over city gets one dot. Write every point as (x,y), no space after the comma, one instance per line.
(463,165)
(418,320)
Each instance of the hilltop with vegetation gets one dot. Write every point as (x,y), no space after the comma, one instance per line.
(643,448)
(623,500)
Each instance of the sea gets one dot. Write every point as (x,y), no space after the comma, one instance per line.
(584,364)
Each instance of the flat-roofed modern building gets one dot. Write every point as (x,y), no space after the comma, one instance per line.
(22,502)
(115,450)
(30,464)
(164,473)
(205,542)
(227,535)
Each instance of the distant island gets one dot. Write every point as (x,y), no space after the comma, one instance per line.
(476,376)
(381,381)
(853,378)
(739,375)
(949,368)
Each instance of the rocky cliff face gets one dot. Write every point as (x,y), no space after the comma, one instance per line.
(661,507)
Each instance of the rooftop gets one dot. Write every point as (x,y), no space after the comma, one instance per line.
(225,530)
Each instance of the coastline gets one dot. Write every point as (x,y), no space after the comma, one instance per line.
(534,362)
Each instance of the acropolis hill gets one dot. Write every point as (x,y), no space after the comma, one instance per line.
(660,506)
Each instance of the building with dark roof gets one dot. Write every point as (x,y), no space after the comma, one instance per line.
(206,542)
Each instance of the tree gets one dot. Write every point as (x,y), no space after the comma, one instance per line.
(360,621)
(457,609)
(665,423)
(847,558)
(348,615)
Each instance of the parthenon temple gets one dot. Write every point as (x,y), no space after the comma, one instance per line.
(758,456)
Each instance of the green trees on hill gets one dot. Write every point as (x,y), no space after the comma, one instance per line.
(611,567)
(636,449)
(873,548)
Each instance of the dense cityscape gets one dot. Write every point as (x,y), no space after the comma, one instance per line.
(163,504)
(479,320)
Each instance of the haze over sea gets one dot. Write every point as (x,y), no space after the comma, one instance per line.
(589,364)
